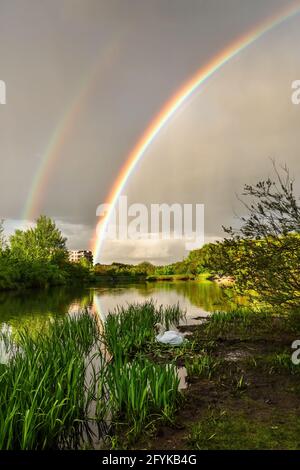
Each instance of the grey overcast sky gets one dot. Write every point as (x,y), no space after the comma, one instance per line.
(136,54)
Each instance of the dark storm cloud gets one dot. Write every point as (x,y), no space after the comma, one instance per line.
(47,51)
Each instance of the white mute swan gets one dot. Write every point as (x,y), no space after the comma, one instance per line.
(168,337)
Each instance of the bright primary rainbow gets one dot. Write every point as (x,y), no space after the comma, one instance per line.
(170,108)
(65,125)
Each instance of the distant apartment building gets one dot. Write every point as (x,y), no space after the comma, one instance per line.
(76,255)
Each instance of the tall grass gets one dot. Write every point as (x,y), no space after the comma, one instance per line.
(141,391)
(201,366)
(281,362)
(244,319)
(128,329)
(170,315)
(56,381)
(44,397)
(138,390)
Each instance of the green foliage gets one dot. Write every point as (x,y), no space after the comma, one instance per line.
(44,395)
(242,322)
(247,318)
(263,256)
(197,259)
(129,329)
(140,391)
(281,362)
(37,257)
(146,268)
(120,272)
(203,365)
(16,273)
(194,264)
(43,243)
(266,269)
(57,380)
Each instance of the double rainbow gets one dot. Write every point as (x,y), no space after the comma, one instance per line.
(152,131)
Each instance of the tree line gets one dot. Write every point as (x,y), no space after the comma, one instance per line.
(262,255)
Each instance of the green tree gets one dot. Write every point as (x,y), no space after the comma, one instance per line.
(44,242)
(197,259)
(264,254)
(85,263)
(146,268)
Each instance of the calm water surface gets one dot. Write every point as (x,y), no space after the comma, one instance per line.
(33,307)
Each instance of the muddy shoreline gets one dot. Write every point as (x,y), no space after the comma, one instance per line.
(251,401)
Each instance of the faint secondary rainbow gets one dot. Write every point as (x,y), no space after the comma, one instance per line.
(63,130)
(170,108)
(50,156)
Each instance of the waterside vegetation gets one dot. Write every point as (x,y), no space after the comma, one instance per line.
(37,257)
(81,382)
(57,388)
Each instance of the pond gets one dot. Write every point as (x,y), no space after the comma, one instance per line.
(31,308)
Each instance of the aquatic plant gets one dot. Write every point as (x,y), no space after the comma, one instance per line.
(169,315)
(44,396)
(240,319)
(57,381)
(203,365)
(138,391)
(127,330)
(141,391)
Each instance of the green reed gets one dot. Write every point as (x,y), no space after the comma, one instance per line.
(141,391)
(56,380)
(281,362)
(129,329)
(44,397)
(138,390)
(201,366)
(169,315)
(244,319)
